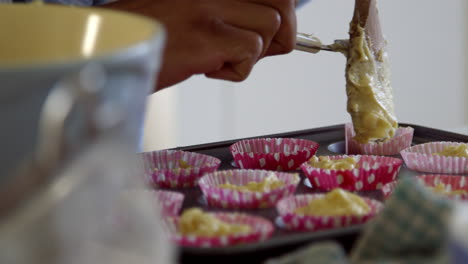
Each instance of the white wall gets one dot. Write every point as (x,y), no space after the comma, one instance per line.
(429,67)
(300,90)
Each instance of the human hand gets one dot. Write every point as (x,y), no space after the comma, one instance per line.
(222,39)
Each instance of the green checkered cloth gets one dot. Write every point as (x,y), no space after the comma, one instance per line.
(412,228)
(323,253)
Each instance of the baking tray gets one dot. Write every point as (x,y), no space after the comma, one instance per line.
(331,141)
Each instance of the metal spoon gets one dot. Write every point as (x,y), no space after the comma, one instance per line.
(310,43)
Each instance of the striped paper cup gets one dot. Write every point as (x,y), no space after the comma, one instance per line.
(402,139)
(169,202)
(164,168)
(261,230)
(235,199)
(420,158)
(282,154)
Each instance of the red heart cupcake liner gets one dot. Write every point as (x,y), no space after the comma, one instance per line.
(451,182)
(261,230)
(282,154)
(372,173)
(163,167)
(293,221)
(235,199)
(402,139)
(420,158)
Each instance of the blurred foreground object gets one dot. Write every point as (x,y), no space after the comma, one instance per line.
(458,242)
(73,95)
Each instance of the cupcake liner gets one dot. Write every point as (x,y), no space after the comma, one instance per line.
(162,167)
(452,182)
(262,229)
(402,139)
(420,158)
(293,221)
(227,198)
(169,202)
(282,154)
(372,174)
(388,189)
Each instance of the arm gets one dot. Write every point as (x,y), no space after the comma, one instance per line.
(222,39)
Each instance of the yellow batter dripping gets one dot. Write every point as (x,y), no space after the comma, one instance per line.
(370,98)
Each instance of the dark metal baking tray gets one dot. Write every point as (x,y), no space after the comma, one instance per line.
(331,141)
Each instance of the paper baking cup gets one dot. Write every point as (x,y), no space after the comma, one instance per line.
(388,189)
(402,139)
(282,154)
(451,182)
(372,174)
(162,167)
(227,198)
(293,221)
(420,158)
(169,202)
(261,230)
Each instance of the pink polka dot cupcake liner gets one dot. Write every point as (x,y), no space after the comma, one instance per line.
(293,221)
(169,202)
(420,158)
(261,230)
(402,139)
(235,199)
(451,182)
(372,173)
(163,167)
(388,189)
(282,154)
